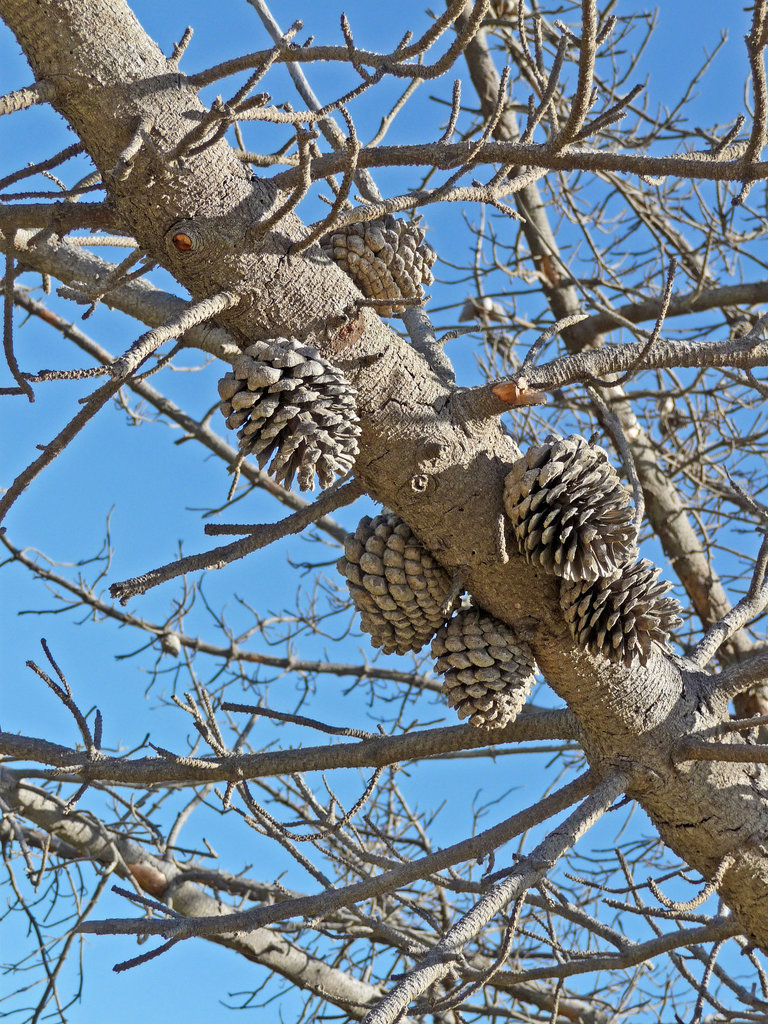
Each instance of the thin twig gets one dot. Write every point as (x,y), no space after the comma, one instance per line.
(750,606)
(258,538)
(195,313)
(10,356)
(55,447)
(524,875)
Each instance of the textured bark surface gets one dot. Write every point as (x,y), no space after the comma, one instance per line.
(420,454)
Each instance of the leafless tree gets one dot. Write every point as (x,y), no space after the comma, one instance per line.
(606,257)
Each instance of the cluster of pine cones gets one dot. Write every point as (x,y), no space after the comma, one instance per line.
(568,511)
(571,515)
(405,599)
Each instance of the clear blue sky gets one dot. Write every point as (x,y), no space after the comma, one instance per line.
(152,491)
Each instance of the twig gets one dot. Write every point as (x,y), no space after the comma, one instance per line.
(450,128)
(756,41)
(180,47)
(525,874)
(709,889)
(447,155)
(194,314)
(43,165)
(699,1007)
(10,356)
(582,101)
(389,117)
(398,63)
(535,115)
(55,447)
(284,716)
(333,497)
(654,336)
(304,139)
(550,332)
(64,693)
(124,163)
(258,538)
(327,225)
(610,116)
(423,338)
(614,426)
(30,96)
(423,867)
(751,605)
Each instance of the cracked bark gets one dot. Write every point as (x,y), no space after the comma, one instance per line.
(109,75)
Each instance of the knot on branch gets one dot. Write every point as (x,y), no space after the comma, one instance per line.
(488,671)
(621,617)
(395,584)
(569,511)
(388,260)
(292,406)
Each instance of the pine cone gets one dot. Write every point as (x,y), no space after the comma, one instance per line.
(623,616)
(569,510)
(294,407)
(488,670)
(395,584)
(386,258)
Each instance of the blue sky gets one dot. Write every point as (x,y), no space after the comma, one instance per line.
(151,491)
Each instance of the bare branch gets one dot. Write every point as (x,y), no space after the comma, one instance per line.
(524,875)
(21,99)
(375,753)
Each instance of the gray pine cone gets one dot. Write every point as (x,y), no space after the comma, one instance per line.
(623,616)
(292,406)
(395,584)
(569,510)
(488,670)
(386,258)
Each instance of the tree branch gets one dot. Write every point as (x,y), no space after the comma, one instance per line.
(373,753)
(524,875)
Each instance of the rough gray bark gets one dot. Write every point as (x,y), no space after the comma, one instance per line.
(104,70)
